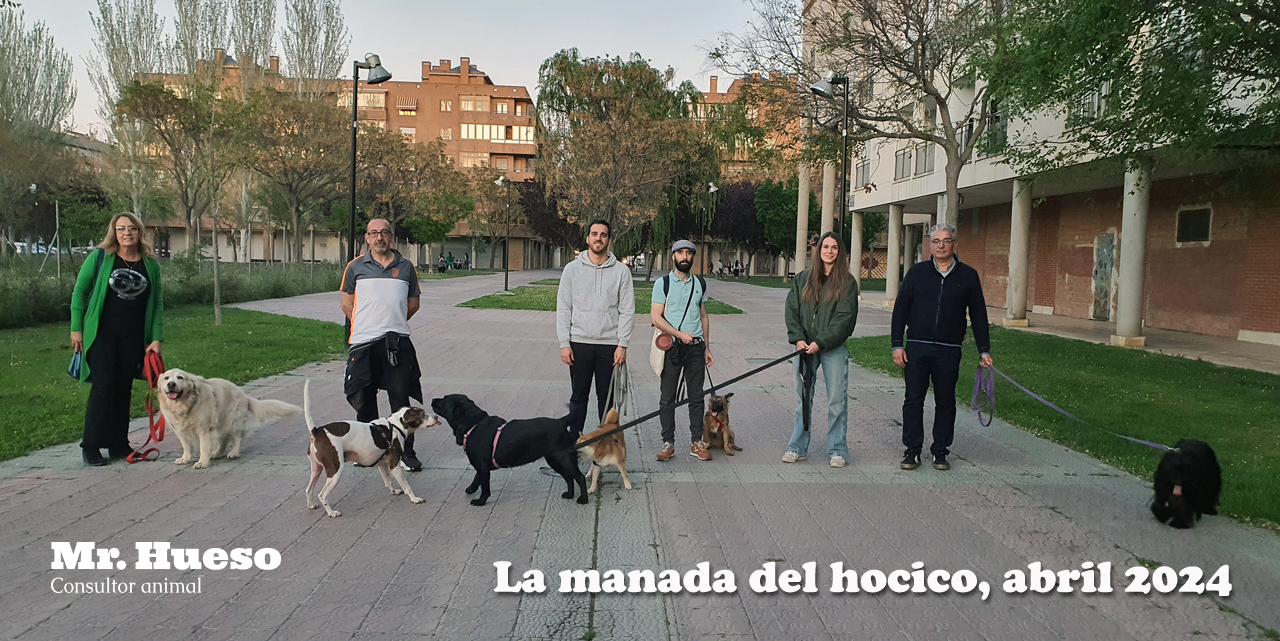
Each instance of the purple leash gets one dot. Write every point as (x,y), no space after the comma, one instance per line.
(984,390)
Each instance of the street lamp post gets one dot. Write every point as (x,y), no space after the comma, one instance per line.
(377,75)
(506,245)
(825,88)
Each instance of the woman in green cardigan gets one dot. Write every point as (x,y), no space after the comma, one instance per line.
(822,309)
(117,315)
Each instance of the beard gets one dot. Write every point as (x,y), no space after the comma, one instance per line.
(684,266)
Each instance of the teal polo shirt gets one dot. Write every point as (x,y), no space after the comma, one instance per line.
(677,298)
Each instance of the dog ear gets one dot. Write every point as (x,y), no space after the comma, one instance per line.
(611,417)
(728,395)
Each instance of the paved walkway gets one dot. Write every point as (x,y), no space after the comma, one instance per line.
(390,569)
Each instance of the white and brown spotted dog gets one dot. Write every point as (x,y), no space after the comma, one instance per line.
(378,444)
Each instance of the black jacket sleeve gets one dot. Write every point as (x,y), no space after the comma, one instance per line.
(978,316)
(902,309)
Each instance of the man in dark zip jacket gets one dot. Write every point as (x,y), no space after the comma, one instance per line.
(931,308)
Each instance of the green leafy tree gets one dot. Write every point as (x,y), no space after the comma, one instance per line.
(775,205)
(1195,76)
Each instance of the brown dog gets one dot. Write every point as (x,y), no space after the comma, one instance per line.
(611,450)
(715,425)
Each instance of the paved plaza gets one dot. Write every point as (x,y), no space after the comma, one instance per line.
(390,569)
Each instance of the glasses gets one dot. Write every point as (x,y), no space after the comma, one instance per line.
(131,230)
(385,233)
(942,241)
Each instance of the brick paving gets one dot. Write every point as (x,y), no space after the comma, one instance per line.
(390,569)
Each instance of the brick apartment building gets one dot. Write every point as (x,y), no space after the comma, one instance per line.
(479,122)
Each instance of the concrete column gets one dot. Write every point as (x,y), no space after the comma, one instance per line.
(1133,254)
(828,196)
(802,216)
(855,248)
(1019,253)
(940,216)
(909,243)
(894,271)
(781,266)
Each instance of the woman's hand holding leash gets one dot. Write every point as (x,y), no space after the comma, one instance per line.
(77,342)
(154,347)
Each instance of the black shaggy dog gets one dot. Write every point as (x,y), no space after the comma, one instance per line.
(1188,482)
(519,442)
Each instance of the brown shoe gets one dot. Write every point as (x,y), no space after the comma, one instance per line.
(668,450)
(699,450)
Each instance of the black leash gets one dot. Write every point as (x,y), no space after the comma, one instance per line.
(686,401)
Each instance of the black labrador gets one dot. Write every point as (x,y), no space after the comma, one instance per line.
(493,443)
(1187,484)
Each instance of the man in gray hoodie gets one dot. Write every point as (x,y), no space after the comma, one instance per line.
(594,311)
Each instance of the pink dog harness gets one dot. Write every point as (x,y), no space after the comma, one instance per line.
(494,456)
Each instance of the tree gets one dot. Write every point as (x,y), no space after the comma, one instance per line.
(253,27)
(909,64)
(315,42)
(775,206)
(301,149)
(615,136)
(737,221)
(542,215)
(1197,77)
(129,43)
(34,98)
(199,29)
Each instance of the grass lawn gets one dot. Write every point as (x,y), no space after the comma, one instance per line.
(1148,396)
(543,299)
(868,284)
(423,274)
(556,281)
(46,407)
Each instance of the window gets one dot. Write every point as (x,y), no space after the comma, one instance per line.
(407,112)
(500,107)
(863,177)
(473,159)
(1087,106)
(902,163)
(410,133)
(446,134)
(368,100)
(1194,224)
(446,105)
(475,103)
(501,163)
(519,108)
(924,158)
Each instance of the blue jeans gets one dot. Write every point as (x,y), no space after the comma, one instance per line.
(835,371)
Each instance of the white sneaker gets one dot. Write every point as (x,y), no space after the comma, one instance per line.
(837,461)
(792,457)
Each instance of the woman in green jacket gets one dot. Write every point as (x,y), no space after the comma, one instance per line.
(822,309)
(117,315)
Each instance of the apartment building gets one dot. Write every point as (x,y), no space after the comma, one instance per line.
(479,122)
(1162,246)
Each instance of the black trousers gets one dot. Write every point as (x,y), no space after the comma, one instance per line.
(396,380)
(115,360)
(941,364)
(689,360)
(589,361)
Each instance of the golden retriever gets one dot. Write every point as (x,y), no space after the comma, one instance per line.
(213,412)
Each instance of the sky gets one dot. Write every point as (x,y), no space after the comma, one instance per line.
(507,40)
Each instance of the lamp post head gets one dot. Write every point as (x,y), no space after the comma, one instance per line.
(377,73)
(825,88)
(502,180)
(711,188)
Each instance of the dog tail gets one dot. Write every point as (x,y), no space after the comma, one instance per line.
(270,411)
(306,404)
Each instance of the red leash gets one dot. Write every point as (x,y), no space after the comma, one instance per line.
(152,368)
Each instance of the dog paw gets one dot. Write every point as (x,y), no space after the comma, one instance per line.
(728,452)
(182,461)
(567,495)
(200,465)
(312,507)
(471,489)
(417,499)
(396,492)
(477,502)
(232,457)
(334,513)
(590,490)
(582,500)
(736,448)
(627,485)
